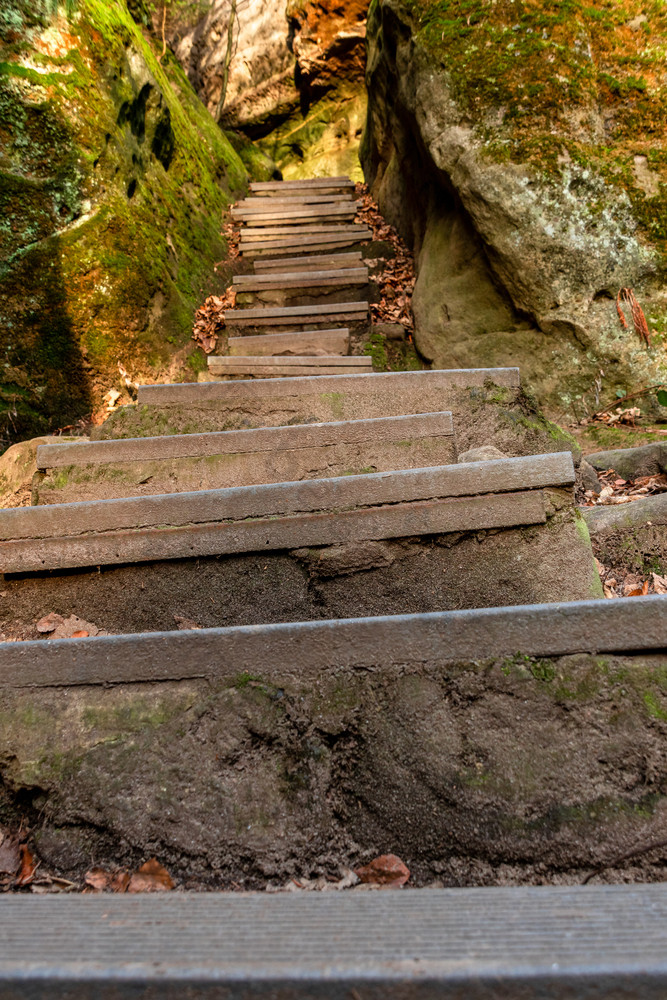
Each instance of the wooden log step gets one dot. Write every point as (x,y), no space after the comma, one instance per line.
(284,215)
(329,261)
(311,184)
(271,367)
(103,470)
(309,279)
(299,246)
(324,229)
(266,204)
(470,497)
(224,361)
(303,343)
(285,315)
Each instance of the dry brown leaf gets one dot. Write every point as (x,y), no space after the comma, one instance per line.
(185,624)
(151,877)
(10,856)
(28,866)
(98,879)
(388,869)
(49,622)
(659,584)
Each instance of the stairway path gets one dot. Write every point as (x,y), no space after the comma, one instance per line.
(299,217)
(336,565)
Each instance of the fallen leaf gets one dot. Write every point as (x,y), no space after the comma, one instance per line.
(49,622)
(151,877)
(660,584)
(388,869)
(81,634)
(100,880)
(185,624)
(28,867)
(10,856)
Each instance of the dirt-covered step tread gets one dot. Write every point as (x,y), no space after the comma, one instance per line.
(289,364)
(188,462)
(329,262)
(562,629)
(282,315)
(283,215)
(303,343)
(307,279)
(324,229)
(303,245)
(296,199)
(470,497)
(272,188)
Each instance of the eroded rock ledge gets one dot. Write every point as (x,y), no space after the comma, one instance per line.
(520,254)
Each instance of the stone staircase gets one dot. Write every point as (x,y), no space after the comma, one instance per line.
(384,648)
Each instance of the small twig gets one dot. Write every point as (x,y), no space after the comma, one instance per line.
(634,395)
(164,37)
(634,853)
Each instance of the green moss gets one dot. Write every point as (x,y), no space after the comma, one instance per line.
(600,59)
(112,189)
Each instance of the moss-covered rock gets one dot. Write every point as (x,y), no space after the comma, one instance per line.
(113,177)
(525,143)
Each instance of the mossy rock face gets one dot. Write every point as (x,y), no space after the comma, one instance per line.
(113,178)
(520,148)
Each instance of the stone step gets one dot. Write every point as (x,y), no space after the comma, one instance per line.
(271,188)
(267,367)
(305,343)
(282,215)
(476,943)
(482,400)
(417,540)
(189,462)
(310,230)
(276,316)
(316,263)
(309,279)
(458,739)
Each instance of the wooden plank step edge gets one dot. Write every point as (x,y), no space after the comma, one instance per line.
(228,393)
(290,361)
(241,502)
(328,261)
(286,312)
(272,439)
(541,630)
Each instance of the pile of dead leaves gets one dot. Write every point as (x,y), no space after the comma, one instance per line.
(620,582)
(232,233)
(616,490)
(385,872)
(397,280)
(151,877)
(17,864)
(210,319)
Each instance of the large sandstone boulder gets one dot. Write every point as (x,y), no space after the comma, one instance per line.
(294,83)
(113,177)
(520,151)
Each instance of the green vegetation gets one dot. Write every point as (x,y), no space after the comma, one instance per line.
(112,187)
(547,69)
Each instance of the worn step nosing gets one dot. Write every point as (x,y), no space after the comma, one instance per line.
(309,183)
(286,312)
(332,262)
(275,533)
(272,439)
(273,499)
(305,649)
(304,279)
(289,361)
(296,198)
(186,393)
(276,344)
(308,229)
